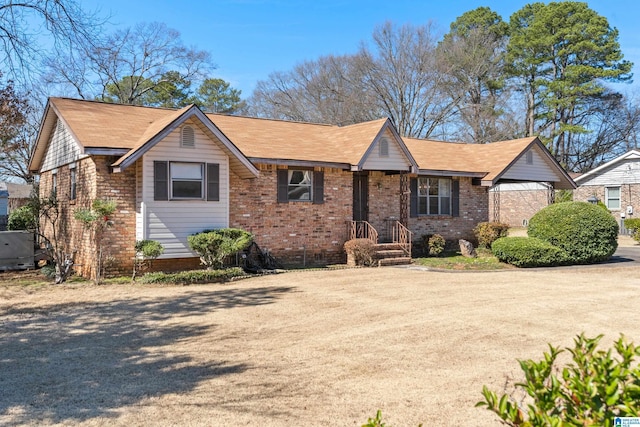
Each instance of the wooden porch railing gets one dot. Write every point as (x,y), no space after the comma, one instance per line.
(361,230)
(401,236)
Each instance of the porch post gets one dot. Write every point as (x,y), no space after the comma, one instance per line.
(404,199)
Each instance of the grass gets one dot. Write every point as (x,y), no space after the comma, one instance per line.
(455,261)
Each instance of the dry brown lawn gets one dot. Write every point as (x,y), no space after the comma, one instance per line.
(312,348)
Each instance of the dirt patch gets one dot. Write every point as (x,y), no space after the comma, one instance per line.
(302,348)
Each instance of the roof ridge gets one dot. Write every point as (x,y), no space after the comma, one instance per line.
(115,104)
(269,119)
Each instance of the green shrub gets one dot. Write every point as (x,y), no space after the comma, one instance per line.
(22,218)
(633,224)
(214,246)
(586,232)
(591,390)
(527,252)
(193,276)
(146,252)
(361,251)
(489,232)
(436,245)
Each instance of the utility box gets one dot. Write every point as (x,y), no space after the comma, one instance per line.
(16,250)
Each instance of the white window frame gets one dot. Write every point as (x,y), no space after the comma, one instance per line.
(173,179)
(609,199)
(432,191)
(305,184)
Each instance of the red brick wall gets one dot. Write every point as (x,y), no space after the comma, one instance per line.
(473,209)
(296,232)
(519,206)
(94,181)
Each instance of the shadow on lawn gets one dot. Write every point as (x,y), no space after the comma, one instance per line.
(73,362)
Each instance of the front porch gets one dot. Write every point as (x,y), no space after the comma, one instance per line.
(395,250)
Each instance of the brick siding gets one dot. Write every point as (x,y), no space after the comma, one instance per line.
(296,233)
(629,196)
(517,207)
(94,181)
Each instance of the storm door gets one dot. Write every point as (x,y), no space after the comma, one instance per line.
(361,196)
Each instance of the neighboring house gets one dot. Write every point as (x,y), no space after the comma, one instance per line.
(616,184)
(302,189)
(12,196)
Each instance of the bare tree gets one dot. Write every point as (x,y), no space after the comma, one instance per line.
(328,90)
(612,123)
(25,24)
(403,75)
(128,64)
(397,77)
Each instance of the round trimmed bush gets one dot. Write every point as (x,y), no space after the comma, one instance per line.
(586,232)
(528,252)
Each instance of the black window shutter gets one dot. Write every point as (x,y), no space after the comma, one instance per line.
(455,198)
(283,186)
(160,181)
(413,197)
(213,182)
(318,187)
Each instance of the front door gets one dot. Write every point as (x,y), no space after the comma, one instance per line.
(361,196)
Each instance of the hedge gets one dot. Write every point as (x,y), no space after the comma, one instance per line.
(528,252)
(586,232)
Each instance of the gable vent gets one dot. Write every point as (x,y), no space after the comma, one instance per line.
(384,147)
(529,157)
(188,137)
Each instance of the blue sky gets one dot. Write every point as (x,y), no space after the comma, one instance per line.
(249,39)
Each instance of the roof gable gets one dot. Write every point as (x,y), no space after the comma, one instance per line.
(632,155)
(492,162)
(162,127)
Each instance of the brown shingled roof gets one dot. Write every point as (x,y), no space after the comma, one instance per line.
(111,126)
(99,124)
(471,158)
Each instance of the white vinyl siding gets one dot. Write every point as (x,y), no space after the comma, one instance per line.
(538,170)
(170,222)
(625,172)
(63,149)
(394,160)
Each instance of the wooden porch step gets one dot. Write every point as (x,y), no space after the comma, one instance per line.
(394,261)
